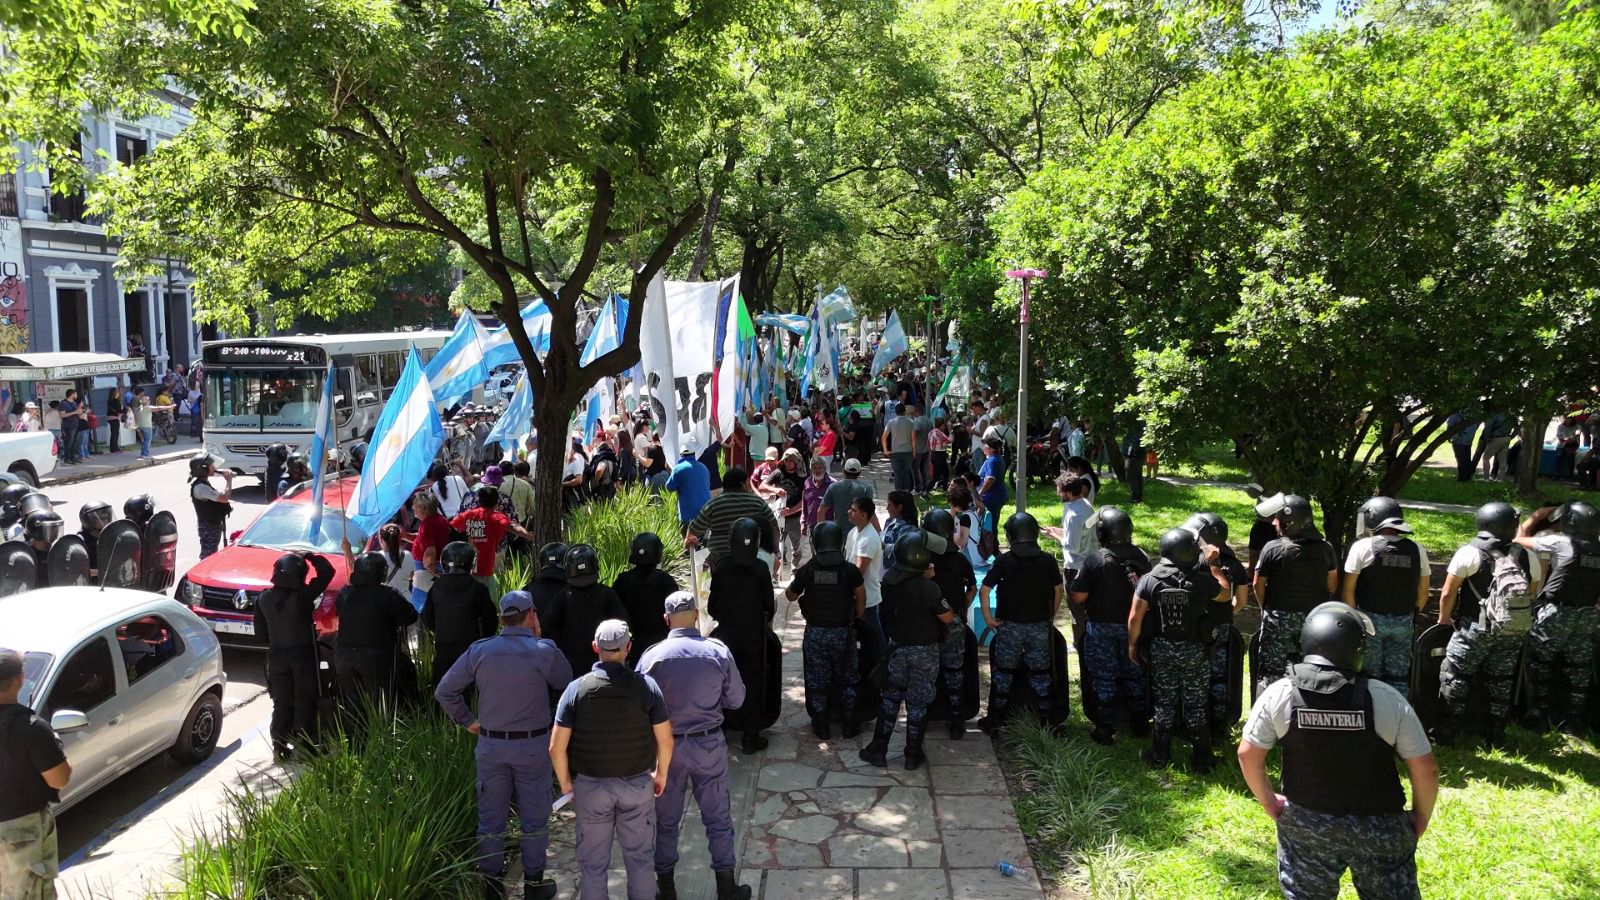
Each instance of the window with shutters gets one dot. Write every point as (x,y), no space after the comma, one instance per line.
(72,318)
(130,148)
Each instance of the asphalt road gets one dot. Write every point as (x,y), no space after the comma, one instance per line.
(243,699)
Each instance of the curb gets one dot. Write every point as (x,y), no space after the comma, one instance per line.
(90,474)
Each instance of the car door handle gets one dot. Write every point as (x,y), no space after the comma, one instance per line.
(115,720)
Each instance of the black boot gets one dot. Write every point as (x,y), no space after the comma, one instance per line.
(1139,725)
(494,887)
(1102,733)
(535,886)
(730,889)
(991,722)
(822,728)
(852,724)
(752,743)
(666,888)
(1495,736)
(1203,760)
(956,722)
(915,729)
(1160,752)
(877,752)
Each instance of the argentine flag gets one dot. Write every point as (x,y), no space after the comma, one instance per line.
(500,350)
(837,308)
(517,420)
(319,454)
(891,345)
(458,368)
(603,338)
(404,443)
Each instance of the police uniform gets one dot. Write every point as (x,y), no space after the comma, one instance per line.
(459,611)
(283,618)
(1296,570)
(612,712)
(742,602)
(366,653)
(1346,807)
(1387,568)
(956,581)
(911,610)
(211,514)
(1179,617)
(827,596)
(1476,646)
(698,679)
(1024,588)
(1105,578)
(1564,624)
(642,590)
(514,674)
(1221,626)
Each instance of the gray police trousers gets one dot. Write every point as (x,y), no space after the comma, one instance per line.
(620,807)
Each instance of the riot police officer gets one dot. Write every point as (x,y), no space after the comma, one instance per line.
(1104,588)
(1212,529)
(1564,626)
(1342,804)
(1387,578)
(458,609)
(549,580)
(1020,597)
(11,510)
(612,749)
(296,471)
(742,602)
(283,618)
(580,608)
(139,509)
(367,652)
(1179,594)
(958,584)
(277,454)
(915,617)
(1293,574)
(642,589)
(42,527)
(832,596)
(94,516)
(515,674)
(698,680)
(211,506)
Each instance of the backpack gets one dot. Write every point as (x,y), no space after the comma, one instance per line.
(1508,608)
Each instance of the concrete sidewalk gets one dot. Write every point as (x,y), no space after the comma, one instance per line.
(102,464)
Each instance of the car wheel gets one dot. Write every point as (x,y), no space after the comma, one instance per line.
(24,473)
(201,729)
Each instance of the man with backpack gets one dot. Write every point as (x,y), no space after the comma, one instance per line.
(1488,594)
(1564,625)
(1386,577)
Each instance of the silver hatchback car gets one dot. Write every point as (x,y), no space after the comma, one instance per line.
(121,675)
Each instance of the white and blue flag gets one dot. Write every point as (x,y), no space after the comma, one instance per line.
(458,368)
(404,443)
(822,357)
(794,323)
(517,421)
(603,338)
(837,308)
(319,453)
(891,346)
(500,350)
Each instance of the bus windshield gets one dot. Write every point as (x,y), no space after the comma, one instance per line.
(263,399)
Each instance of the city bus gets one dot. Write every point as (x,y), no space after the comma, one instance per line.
(262,391)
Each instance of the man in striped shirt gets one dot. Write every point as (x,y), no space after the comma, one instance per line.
(735,502)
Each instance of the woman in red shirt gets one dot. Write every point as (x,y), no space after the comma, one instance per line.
(433,532)
(827,443)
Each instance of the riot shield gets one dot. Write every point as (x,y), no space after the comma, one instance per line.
(120,553)
(868,658)
(1426,660)
(67,564)
(18,571)
(160,552)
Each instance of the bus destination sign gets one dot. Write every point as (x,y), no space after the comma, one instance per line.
(243,354)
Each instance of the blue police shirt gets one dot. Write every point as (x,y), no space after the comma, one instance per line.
(514,672)
(697,677)
(692,482)
(655,706)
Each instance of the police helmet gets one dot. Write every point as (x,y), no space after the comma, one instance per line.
(553,559)
(458,558)
(1582,521)
(34,502)
(1201,527)
(95,515)
(140,508)
(1219,527)
(939,522)
(11,502)
(1294,518)
(1335,634)
(1114,528)
(744,540)
(43,526)
(200,466)
(290,571)
(1497,519)
(370,569)
(645,550)
(298,468)
(1180,547)
(583,565)
(488,496)
(1022,534)
(911,553)
(1376,510)
(278,453)
(827,543)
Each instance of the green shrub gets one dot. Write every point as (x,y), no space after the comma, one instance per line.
(610,526)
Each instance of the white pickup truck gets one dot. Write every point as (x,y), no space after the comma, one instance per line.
(29,455)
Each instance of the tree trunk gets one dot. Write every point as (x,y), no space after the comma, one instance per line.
(1112,449)
(1533,425)
(550,418)
(1338,523)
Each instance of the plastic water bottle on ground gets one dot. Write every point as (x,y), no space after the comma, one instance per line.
(1005,868)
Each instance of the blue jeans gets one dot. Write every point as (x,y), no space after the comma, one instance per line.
(145,434)
(83,442)
(901,464)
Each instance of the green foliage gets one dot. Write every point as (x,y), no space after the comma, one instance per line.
(610,526)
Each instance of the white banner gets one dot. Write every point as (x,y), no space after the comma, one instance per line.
(677,347)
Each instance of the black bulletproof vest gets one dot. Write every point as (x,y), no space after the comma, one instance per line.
(1301,579)
(952,573)
(1574,573)
(288,615)
(545,591)
(828,601)
(1111,594)
(364,617)
(208,511)
(1180,613)
(611,734)
(1388,586)
(1333,760)
(458,608)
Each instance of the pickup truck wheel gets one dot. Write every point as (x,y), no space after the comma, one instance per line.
(26,473)
(201,729)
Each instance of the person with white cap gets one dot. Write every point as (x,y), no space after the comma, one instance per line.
(612,750)
(1386,577)
(837,498)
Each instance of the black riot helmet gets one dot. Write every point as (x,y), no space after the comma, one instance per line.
(200,466)
(1335,634)
(1497,519)
(940,522)
(1114,527)
(297,469)
(370,569)
(1582,521)
(911,553)
(1180,547)
(43,526)
(645,550)
(140,508)
(1202,528)
(11,502)
(1294,518)
(95,515)
(1219,527)
(488,496)
(553,560)
(744,540)
(827,543)
(1022,534)
(35,502)
(278,453)
(583,565)
(290,571)
(1377,510)
(458,558)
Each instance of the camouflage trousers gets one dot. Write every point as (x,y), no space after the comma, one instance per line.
(1564,633)
(1217,658)
(1180,679)
(1314,849)
(1015,645)
(1388,656)
(912,670)
(210,538)
(1112,673)
(1473,649)
(953,663)
(829,654)
(29,860)
(1280,646)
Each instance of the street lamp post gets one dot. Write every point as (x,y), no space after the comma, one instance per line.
(1025,276)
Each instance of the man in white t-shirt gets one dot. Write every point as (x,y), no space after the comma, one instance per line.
(979,426)
(864,547)
(1075,534)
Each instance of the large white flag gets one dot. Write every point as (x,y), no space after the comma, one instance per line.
(677,348)
(655,358)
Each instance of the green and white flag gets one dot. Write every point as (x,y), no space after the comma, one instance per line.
(957,382)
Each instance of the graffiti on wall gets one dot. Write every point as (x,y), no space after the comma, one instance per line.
(13,290)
